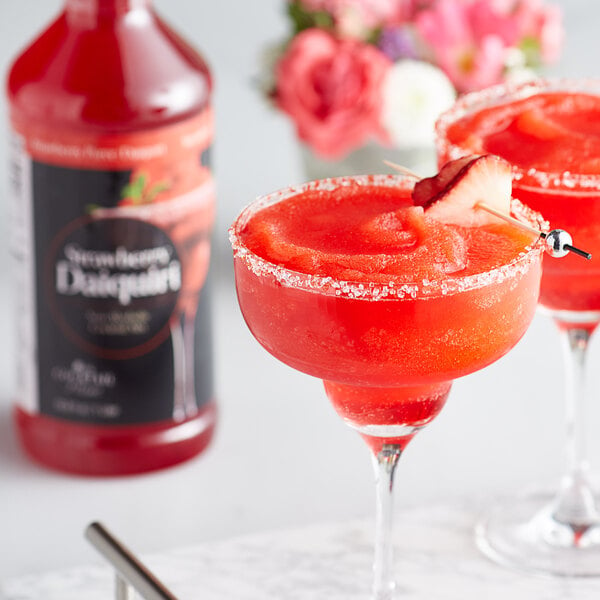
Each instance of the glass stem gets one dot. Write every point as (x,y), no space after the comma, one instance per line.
(384,463)
(575,505)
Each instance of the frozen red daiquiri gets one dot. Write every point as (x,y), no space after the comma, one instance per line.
(550,132)
(388,295)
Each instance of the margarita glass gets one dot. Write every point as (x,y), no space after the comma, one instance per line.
(548,130)
(345,280)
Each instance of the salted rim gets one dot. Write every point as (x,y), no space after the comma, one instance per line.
(393,290)
(501,94)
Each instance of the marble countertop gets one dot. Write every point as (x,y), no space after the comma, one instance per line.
(435,558)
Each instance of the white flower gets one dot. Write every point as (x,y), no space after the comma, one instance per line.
(350,24)
(520,75)
(516,69)
(515,58)
(415,93)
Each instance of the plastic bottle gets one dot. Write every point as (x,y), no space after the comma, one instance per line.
(113,203)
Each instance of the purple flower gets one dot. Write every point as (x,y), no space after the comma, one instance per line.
(397,43)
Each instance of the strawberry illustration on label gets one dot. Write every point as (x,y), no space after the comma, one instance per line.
(141,191)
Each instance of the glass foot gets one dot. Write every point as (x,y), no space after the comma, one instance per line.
(525,534)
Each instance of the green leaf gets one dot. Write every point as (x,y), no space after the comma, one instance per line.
(374,36)
(303,19)
(135,189)
(322,19)
(299,16)
(530,46)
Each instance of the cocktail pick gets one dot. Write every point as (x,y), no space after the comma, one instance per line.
(558,241)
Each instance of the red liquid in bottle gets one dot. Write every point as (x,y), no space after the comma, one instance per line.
(113,194)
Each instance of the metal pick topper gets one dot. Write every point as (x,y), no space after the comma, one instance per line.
(558,242)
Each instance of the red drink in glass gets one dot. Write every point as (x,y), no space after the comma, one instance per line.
(345,280)
(548,131)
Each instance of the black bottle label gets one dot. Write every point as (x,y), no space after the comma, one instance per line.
(112,241)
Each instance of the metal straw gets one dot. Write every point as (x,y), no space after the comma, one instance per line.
(130,571)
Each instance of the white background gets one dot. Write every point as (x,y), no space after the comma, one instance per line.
(281,458)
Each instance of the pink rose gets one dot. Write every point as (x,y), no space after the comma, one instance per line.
(551,33)
(465,41)
(516,21)
(332,89)
(541,23)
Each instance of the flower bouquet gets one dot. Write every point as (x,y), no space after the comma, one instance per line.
(354,73)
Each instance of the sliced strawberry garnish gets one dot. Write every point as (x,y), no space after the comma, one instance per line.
(451,196)
(427,190)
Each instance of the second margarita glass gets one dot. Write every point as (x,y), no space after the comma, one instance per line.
(548,131)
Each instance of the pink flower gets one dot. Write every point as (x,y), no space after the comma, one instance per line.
(534,21)
(464,38)
(551,33)
(332,89)
(494,17)
(522,21)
